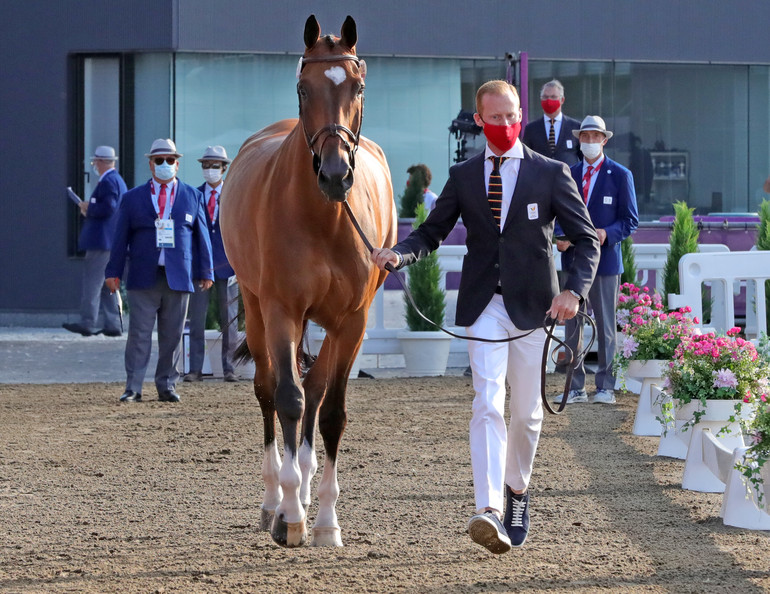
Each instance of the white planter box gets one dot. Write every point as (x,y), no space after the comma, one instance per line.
(425,353)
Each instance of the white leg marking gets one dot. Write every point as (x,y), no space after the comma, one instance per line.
(290,507)
(308,465)
(271,467)
(326,530)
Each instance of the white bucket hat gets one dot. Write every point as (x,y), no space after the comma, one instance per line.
(163,146)
(592,123)
(106,153)
(215,153)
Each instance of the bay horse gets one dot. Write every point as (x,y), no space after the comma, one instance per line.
(297,258)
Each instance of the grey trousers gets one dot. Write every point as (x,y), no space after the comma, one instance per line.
(603,298)
(227,302)
(98,307)
(170,309)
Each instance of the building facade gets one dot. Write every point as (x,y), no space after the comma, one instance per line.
(684,86)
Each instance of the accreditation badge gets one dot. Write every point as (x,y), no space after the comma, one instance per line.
(164,233)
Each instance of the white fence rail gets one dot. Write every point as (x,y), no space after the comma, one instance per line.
(381,339)
(725,271)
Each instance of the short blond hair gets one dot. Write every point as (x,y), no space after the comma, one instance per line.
(494,87)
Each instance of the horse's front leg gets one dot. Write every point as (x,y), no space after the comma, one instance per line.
(331,424)
(288,527)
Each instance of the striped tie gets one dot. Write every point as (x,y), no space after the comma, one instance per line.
(552,138)
(495,193)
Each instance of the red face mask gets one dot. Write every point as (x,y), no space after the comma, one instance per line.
(503,137)
(550,105)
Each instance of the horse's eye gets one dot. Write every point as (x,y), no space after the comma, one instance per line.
(302,93)
(360,92)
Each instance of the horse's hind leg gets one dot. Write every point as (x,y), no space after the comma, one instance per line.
(264,388)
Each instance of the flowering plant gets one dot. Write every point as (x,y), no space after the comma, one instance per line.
(758,453)
(649,332)
(710,367)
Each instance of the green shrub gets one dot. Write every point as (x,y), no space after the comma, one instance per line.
(423,283)
(683,240)
(629,262)
(763,243)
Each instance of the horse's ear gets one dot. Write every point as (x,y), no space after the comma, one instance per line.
(349,35)
(312,31)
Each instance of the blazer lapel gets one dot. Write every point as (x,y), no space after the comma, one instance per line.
(597,191)
(478,181)
(525,179)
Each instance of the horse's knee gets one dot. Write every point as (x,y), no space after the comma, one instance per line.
(289,402)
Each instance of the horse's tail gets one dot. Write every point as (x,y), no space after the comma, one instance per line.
(242,353)
(305,360)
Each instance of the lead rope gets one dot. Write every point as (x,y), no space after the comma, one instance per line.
(548,326)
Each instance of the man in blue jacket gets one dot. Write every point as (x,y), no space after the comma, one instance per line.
(161,230)
(214,164)
(608,191)
(99,309)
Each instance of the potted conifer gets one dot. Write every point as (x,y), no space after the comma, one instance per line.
(683,240)
(426,349)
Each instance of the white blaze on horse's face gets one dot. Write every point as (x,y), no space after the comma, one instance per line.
(336,74)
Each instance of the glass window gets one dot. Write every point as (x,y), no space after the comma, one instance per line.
(152,95)
(410,104)
(692,132)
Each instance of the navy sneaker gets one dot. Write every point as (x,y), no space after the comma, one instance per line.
(516,520)
(485,529)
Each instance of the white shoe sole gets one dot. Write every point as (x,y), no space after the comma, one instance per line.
(485,533)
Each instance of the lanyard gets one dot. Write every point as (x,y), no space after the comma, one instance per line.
(169,201)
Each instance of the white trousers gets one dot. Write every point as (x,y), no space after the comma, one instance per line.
(500,457)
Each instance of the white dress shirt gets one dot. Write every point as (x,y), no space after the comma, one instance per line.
(509,174)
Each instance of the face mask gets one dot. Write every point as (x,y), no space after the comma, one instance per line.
(591,150)
(213,176)
(165,171)
(96,171)
(550,105)
(503,137)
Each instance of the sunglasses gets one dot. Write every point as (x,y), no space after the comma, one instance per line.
(169,160)
(211,166)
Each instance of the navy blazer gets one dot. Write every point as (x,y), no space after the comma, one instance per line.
(612,207)
(222,268)
(135,240)
(520,256)
(99,225)
(536,139)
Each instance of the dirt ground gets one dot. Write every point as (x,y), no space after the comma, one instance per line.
(96,496)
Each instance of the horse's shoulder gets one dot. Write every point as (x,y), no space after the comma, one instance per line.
(373,149)
(277,129)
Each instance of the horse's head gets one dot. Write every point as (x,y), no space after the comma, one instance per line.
(331,104)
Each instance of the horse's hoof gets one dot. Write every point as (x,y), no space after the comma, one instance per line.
(288,534)
(266,520)
(327,536)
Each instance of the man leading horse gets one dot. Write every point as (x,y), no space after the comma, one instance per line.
(508,197)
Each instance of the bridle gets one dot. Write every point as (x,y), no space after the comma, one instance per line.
(332,129)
